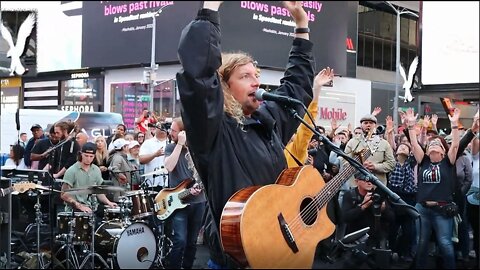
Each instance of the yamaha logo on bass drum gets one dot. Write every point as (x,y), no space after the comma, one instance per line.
(135,231)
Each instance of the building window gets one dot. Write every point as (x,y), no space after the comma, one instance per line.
(83,95)
(377,39)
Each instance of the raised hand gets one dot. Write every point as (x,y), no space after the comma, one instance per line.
(403,117)
(376,111)
(389,123)
(213,5)
(456,115)
(334,124)
(434,120)
(411,117)
(426,121)
(323,77)
(182,137)
(298,13)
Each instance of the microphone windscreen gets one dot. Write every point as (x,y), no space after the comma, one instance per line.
(259,93)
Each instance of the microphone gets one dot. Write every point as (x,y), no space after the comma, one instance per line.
(261,94)
(17,119)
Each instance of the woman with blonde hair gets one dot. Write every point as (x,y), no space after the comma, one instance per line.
(101,156)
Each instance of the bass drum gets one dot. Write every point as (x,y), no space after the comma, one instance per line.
(131,246)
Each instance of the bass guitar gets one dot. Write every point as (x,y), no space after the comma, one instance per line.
(280,225)
(20,187)
(170,199)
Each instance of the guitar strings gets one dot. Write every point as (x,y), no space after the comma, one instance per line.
(321,199)
(313,212)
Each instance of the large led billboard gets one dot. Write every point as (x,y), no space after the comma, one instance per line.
(449,43)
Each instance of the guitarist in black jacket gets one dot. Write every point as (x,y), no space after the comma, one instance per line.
(185,223)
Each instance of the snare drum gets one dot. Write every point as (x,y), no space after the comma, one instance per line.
(132,246)
(81,226)
(141,204)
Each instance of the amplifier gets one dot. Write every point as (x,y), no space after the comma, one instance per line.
(5,225)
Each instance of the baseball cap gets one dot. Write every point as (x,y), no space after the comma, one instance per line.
(35,126)
(369,117)
(119,143)
(133,144)
(360,176)
(89,148)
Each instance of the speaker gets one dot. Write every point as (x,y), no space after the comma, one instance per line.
(5,225)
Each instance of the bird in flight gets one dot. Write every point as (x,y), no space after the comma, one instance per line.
(15,50)
(407,85)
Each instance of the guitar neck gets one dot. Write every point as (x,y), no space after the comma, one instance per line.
(331,188)
(185,193)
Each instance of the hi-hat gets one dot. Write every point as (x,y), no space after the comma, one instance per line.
(156,172)
(98,189)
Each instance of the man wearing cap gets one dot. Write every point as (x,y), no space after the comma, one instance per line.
(83,174)
(122,170)
(360,206)
(37,133)
(152,154)
(132,157)
(381,161)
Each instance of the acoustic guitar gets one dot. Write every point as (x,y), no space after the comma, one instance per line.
(280,225)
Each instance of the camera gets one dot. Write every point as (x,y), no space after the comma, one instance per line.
(312,152)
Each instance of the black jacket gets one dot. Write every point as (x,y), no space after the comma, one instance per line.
(229,156)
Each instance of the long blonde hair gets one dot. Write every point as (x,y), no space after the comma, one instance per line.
(231,61)
(101,155)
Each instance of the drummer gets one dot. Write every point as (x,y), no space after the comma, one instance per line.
(83,174)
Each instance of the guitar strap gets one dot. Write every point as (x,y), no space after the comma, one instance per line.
(300,164)
(293,156)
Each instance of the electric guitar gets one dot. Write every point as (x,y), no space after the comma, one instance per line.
(170,199)
(280,225)
(19,187)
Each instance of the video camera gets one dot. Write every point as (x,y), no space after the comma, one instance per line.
(313,152)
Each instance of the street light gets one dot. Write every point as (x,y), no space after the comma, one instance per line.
(153,66)
(397,64)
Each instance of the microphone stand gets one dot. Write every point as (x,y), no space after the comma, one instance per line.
(394,198)
(50,196)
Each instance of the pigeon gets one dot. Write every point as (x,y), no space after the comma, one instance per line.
(15,51)
(407,85)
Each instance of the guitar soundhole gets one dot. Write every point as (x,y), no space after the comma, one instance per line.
(308,211)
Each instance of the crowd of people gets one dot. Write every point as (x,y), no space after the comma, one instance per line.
(235,141)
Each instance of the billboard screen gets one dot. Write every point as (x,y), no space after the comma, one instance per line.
(449,43)
(119,33)
(265,30)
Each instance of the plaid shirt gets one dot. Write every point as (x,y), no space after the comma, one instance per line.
(401,178)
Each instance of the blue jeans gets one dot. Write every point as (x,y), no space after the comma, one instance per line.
(184,226)
(443,228)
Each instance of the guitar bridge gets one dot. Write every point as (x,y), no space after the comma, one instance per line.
(287,234)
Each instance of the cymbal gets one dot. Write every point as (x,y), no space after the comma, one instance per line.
(7,168)
(97,189)
(46,188)
(156,172)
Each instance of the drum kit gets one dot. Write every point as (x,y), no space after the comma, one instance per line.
(129,236)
